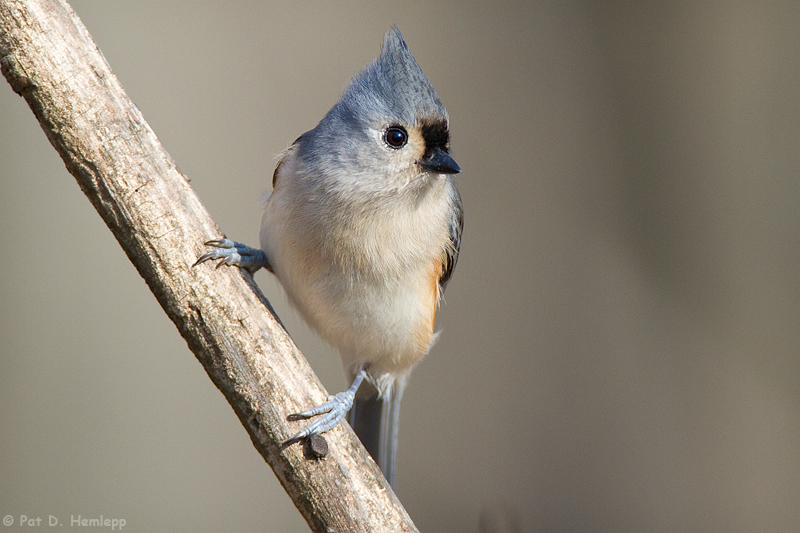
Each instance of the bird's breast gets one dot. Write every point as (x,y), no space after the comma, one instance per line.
(365,275)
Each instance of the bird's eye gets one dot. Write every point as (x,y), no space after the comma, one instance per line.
(396,137)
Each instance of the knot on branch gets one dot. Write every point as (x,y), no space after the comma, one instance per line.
(15,76)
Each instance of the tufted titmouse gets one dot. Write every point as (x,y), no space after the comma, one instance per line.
(363,229)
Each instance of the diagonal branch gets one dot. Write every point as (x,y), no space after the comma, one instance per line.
(49,58)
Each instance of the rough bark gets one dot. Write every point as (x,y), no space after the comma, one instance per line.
(49,58)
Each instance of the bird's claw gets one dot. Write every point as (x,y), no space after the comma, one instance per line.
(232,253)
(333,411)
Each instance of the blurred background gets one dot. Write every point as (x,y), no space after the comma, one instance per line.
(621,339)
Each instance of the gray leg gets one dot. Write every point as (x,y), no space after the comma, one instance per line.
(232,253)
(333,411)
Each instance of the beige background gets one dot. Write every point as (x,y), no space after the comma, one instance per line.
(621,338)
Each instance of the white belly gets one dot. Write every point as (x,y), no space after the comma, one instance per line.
(371,289)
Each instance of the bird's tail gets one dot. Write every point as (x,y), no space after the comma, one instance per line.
(374,418)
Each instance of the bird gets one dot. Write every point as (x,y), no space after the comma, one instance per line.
(363,230)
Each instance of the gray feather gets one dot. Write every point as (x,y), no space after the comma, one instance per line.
(375,421)
(456,227)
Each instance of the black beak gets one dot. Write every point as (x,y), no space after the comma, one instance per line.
(440,162)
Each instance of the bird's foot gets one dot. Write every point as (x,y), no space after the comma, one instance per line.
(232,253)
(333,411)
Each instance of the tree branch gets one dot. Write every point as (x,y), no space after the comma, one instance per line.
(49,58)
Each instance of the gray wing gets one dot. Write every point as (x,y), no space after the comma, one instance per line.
(456,227)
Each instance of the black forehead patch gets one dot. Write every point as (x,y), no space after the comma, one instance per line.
(435,134)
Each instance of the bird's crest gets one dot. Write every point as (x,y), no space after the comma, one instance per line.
(395,85)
